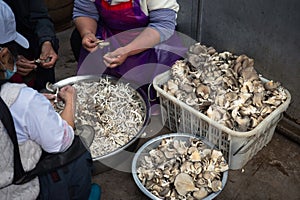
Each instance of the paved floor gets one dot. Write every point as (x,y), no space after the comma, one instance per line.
(274,173)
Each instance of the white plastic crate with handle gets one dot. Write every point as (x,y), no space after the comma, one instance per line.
(237,147)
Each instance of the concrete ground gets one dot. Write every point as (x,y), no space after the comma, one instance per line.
(273,173)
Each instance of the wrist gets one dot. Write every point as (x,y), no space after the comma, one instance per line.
(128,50)
(86,33)
(69,100)
(52,40)
(47,43)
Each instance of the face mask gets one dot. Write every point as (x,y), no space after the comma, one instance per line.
(9,74)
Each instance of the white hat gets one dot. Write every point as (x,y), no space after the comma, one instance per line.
(8,31)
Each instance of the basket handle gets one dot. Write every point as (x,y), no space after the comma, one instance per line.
(239,150)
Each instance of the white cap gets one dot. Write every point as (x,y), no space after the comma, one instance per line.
(8,31)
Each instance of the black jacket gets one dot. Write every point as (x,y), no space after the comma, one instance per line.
(34,22)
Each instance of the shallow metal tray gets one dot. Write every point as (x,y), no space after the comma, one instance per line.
(116,157)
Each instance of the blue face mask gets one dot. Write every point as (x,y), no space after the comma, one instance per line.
(8,73)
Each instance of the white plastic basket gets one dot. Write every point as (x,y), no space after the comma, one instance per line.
(237,147)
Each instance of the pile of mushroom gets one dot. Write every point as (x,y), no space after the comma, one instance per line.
(115,110)
(225,87)
(179,169)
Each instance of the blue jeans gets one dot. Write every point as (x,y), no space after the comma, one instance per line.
(72,181)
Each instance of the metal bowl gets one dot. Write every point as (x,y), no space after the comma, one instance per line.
(118,156)
(153,143)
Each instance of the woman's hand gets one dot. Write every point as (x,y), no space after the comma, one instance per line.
(68,94)
(87,28)
(50,97)
(89,42)
(24,66)
(47,52)
(115,58)
(148,38)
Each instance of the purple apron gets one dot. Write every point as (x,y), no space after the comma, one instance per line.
(120,24)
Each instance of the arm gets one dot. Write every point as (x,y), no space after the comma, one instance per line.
(148,38)
(85,16)
(44,29)
(162,14)
(160,28)
(68,94)
(37,120)
(87,29)
(164,21)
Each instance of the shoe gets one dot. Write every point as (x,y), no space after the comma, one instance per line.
(95,192)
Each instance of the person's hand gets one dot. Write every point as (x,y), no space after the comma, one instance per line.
(47,52)
(89,42)
(115,58)
(50,97)
(68,94)
(24,66)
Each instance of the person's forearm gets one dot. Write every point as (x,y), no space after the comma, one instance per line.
(147,39)
(85,25)
(41,21)
(68,114)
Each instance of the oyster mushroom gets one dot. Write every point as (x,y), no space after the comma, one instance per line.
(180,147)
(172,86)
(273,100)
(212,82)
(216,185)
(195,60)
(203,91)
(198,49)
(237,67)
(187,88)
(170,153)
(166,192)
(184,183)
(214,113)
(249,74)
(271,85)
(258,99)
(211,50)
(192,149)
(195,156)
(243,123)
(200,194)
(186,167)
(157,188)
(180,69)
(248,111)
(241,58)
(265,110)
(215,155)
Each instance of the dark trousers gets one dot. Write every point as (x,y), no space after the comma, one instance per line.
(75,42)
(72,181)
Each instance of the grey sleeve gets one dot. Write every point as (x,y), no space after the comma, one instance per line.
(85,8)
(164,21)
